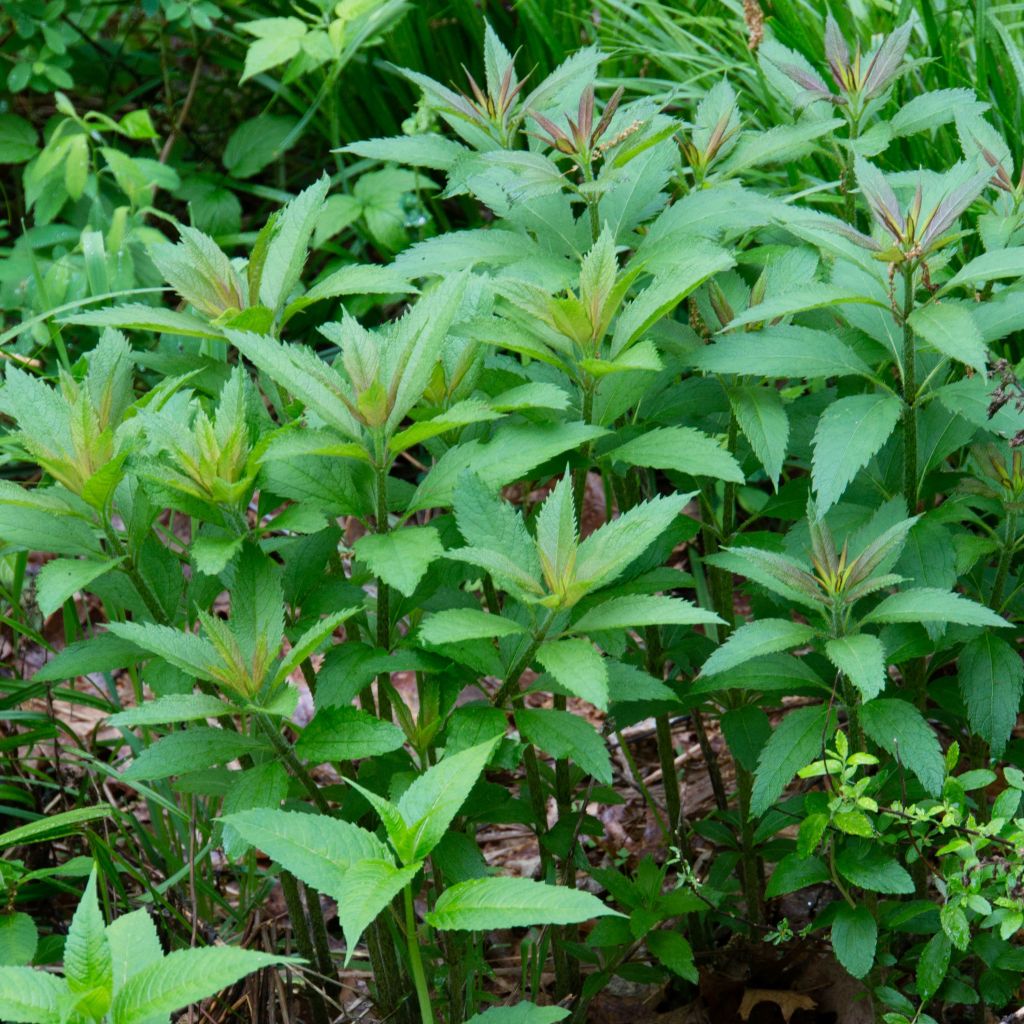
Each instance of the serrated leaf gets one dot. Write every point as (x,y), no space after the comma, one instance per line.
(174,708)
(563,734)
(682,449)
(18,939)
(950,329)
(578,667)
(673,951)
(753,639)
(88,967)
(62,578)
(346,734)
(191,750)
(929,604)
(900,729)
(992,682)
(635,610)
(784,350)
(797,741)
(849,434)
(184,977)
(193,654)
(54,826)
(139,317)
(482,904)
(430,804)
(861,658)
(310,642)
(794,872)
(134,944)
(400,558)
(28,996)
(869,867)
(454,625)
(854,938)
(762,418)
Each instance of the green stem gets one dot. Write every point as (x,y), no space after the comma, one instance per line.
(908,387)
(383,594)
(292,763)
(1003,568)
(416,960)
(850,200)
(520,665)
(303,939)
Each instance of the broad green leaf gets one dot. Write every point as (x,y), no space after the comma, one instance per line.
(854,937)
(482,904)
(521,1013)
(850,432)
(286,253)
(313,847)
(752,639)
(673,951)
(422,150)
(487,521)
(257,608)
(809,296)
(18,140)
(62,578)
(430,804)
(746,730)
(454,625)
(18,939)
(461,414)
(635,610)
(610,550)
(511,454)
(185,977)
(762,418)
(930,109)
(563,734)
(193,654)
(54,826)
(861,658)
(794,872)
(346,734)
(933,965)
(578,667)
(367,887)
(191,750)
(88,966)
(899,728)
(400,558)
(992,682)
(784,350)
(139,317)
(798,740)
(310,642)
(682,449)
(174,708)
(134,944)
(950,329)
(100,653)
(28,996)
(989,266)
(929,604)
(870,867)
(783,143)
(557,535)
(690,270)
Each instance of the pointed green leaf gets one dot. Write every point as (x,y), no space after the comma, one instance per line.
(850,433)
(454,625)
(899,728)
(752,639)
(854,937)
(861,659)
(950,329)
(929,604)
(482,904)
(174,708)
(798,740)
(762,418)
(400,558)
(992,682)
(577,667)
(563,734)
(192,750)
(635,610)
(682,449)
(62,578)
(346,734)
(28,996)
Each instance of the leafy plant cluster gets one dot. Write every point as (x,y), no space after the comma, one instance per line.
(332,527)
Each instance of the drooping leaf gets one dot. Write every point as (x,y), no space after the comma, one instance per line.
(899,728)
(950,329)
(992,682)
(577,667)
(861,658)
(563,734)
(850,432)
(762,418)
(682,449)
(797,741)
(400,557)
(854,937)
(194,749)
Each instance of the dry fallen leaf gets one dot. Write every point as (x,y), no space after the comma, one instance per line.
(787,1002)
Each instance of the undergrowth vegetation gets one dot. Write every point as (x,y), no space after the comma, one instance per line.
(398,454)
